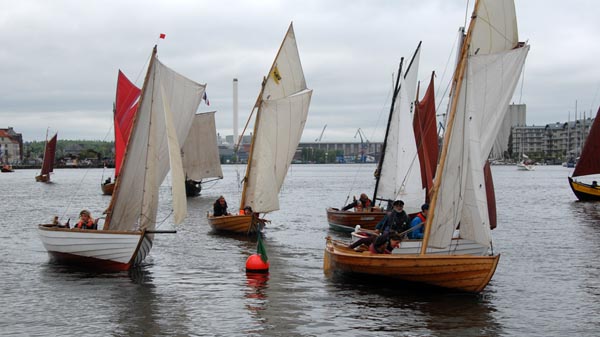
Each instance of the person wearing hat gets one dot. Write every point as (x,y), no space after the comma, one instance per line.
(396,220)
(419,220)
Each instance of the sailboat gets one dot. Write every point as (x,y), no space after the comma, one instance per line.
(48,161)
(281,112)
(588,164)
(126,104)
(526,164)
(488,69)
(409,153)
(167,107)
(200,153)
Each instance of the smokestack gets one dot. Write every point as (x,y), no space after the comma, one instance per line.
(235,111)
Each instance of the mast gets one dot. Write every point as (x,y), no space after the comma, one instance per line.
(387,130)
(45,148)
(133,127)
(458,79)
(258,106)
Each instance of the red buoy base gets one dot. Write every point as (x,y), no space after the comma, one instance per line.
(255,264)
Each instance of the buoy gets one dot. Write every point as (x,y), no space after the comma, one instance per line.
(255,264)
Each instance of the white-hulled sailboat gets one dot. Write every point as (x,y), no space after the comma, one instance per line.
(281,111)
(162,121)
(487,72)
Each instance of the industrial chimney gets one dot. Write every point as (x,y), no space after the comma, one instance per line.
(235,112)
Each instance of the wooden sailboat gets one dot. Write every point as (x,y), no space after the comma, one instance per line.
(409,153)
(126,104)
(201,153)
(490,63)
(281,111)
(48,161)
(167,107)
(588,164)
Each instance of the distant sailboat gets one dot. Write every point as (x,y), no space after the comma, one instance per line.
(486,75)
(167,107)
(126,104)
(281,111)
(526,164)
(200,153)
(48,161)
(588,164)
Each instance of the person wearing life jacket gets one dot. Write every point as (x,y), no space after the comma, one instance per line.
(363,204)
(85,220)
(419,219)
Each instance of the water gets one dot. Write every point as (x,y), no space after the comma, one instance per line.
(194,283)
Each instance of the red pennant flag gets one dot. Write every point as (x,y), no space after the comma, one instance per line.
(162,36)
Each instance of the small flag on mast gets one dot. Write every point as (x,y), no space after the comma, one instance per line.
(205,98)
(162,36)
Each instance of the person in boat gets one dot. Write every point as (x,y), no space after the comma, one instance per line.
(419,220)
(246,211)
(363,204)
(220,207)
(85,220)
(594,184)
(397,220)
(107,181)
(385,243)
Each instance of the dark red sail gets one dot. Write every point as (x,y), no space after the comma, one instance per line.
(49,153)
(589,161)
(425,128)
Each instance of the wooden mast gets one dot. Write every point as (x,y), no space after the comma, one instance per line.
(258,106)
(133,127)
(458,79)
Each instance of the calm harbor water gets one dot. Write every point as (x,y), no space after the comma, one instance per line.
(194,282)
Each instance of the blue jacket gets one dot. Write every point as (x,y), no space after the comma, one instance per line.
(417,233)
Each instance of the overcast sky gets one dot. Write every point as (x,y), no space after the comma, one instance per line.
(59,59)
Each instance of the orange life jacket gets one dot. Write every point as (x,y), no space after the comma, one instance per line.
(85,225)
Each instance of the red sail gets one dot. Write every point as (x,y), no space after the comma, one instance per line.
(425,128)
(49,153)
(589,163)
(126,104)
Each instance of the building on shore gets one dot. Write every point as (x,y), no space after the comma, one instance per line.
(11,146)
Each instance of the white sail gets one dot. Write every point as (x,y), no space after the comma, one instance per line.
(282,112)
(165,92)
(400,176)
(491,74)
(200,150)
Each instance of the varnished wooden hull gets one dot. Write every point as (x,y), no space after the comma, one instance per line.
(346,221)
(460,272)
(43,178)
(95,249)
(241,224)
(584,192)
(108,189)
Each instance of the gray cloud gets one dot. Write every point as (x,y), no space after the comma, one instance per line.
(60,59)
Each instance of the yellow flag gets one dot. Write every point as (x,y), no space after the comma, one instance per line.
(275,75)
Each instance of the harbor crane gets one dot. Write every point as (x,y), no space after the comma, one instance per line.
(321,136)
(364,144)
